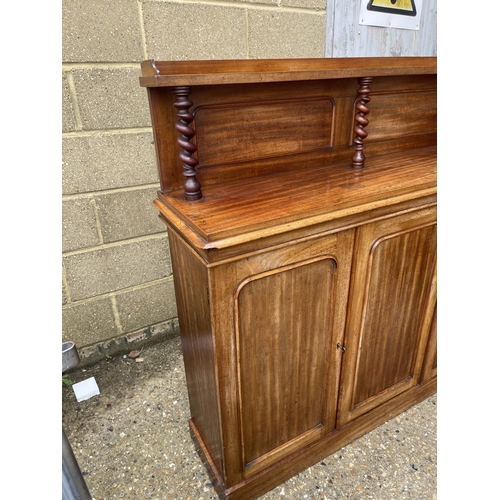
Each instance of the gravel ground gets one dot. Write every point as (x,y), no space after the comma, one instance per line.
(132,441)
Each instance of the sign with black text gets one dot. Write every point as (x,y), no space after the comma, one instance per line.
(391,13)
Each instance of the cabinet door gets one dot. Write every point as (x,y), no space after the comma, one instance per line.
(392,299)
(278,364)
(429,370)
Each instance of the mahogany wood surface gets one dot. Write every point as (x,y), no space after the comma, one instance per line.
(300,200)
(361,121)
(290,405)
(246,335)
(429,368)
(192,188)
(263,129)
(235,208)
(297,462)
(171,73)
(393,297)
(198,348)
(241,131)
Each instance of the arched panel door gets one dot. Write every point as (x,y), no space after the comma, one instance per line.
(277,350)
(392,301)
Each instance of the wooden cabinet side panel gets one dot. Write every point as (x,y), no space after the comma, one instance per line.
(163,120)
(191,292)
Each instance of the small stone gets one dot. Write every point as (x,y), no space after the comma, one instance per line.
(134,354)
(139,360)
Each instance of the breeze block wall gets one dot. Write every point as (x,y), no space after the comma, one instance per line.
(116,272)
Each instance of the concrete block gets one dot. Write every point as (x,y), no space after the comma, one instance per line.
(305,4)
(146,305)
(111,98)
(64,295)
(79,228)
(68,117)
(273,34)
(128,214)
(98,162)
(194,31)
(97,31)
(88,322)
(116,267)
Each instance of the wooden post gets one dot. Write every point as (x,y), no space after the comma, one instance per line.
(192,187)
(360,134)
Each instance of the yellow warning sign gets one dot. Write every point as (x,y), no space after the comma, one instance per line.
(401,7)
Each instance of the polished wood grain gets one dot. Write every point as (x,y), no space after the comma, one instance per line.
(389,120)
(192,187)
(198,345)
(265,137)
(165,136)
(306,288)
(297,462)
(232,133)
(283,201)
(401,267)
(287,338)
(393,297)
(246,336)
(171,73)
(429,368)
(361,121)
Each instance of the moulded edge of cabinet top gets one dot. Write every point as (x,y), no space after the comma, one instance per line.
(240,211)
(218,72)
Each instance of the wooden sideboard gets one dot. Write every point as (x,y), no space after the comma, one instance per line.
(300,201)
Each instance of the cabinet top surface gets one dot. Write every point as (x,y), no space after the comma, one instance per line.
(239,211)
(214,72)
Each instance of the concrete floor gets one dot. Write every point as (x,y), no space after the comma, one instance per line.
(132,441)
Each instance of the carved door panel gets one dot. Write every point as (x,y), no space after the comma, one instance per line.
(429,370)
(280,365)
(392,300)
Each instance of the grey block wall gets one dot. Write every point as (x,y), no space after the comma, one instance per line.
(116,270)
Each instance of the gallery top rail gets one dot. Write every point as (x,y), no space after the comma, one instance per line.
(217,72)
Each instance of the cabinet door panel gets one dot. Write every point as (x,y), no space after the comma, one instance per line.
(429,369)
(278,355)
(282,350)
(392,301)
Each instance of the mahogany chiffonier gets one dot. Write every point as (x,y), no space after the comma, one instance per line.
(300,201)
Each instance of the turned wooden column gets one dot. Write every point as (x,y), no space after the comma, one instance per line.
(360,134)
(192,187)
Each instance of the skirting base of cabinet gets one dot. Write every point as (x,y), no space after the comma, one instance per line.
(278,473)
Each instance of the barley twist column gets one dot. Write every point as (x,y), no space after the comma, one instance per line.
(192,187)
(360,134)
